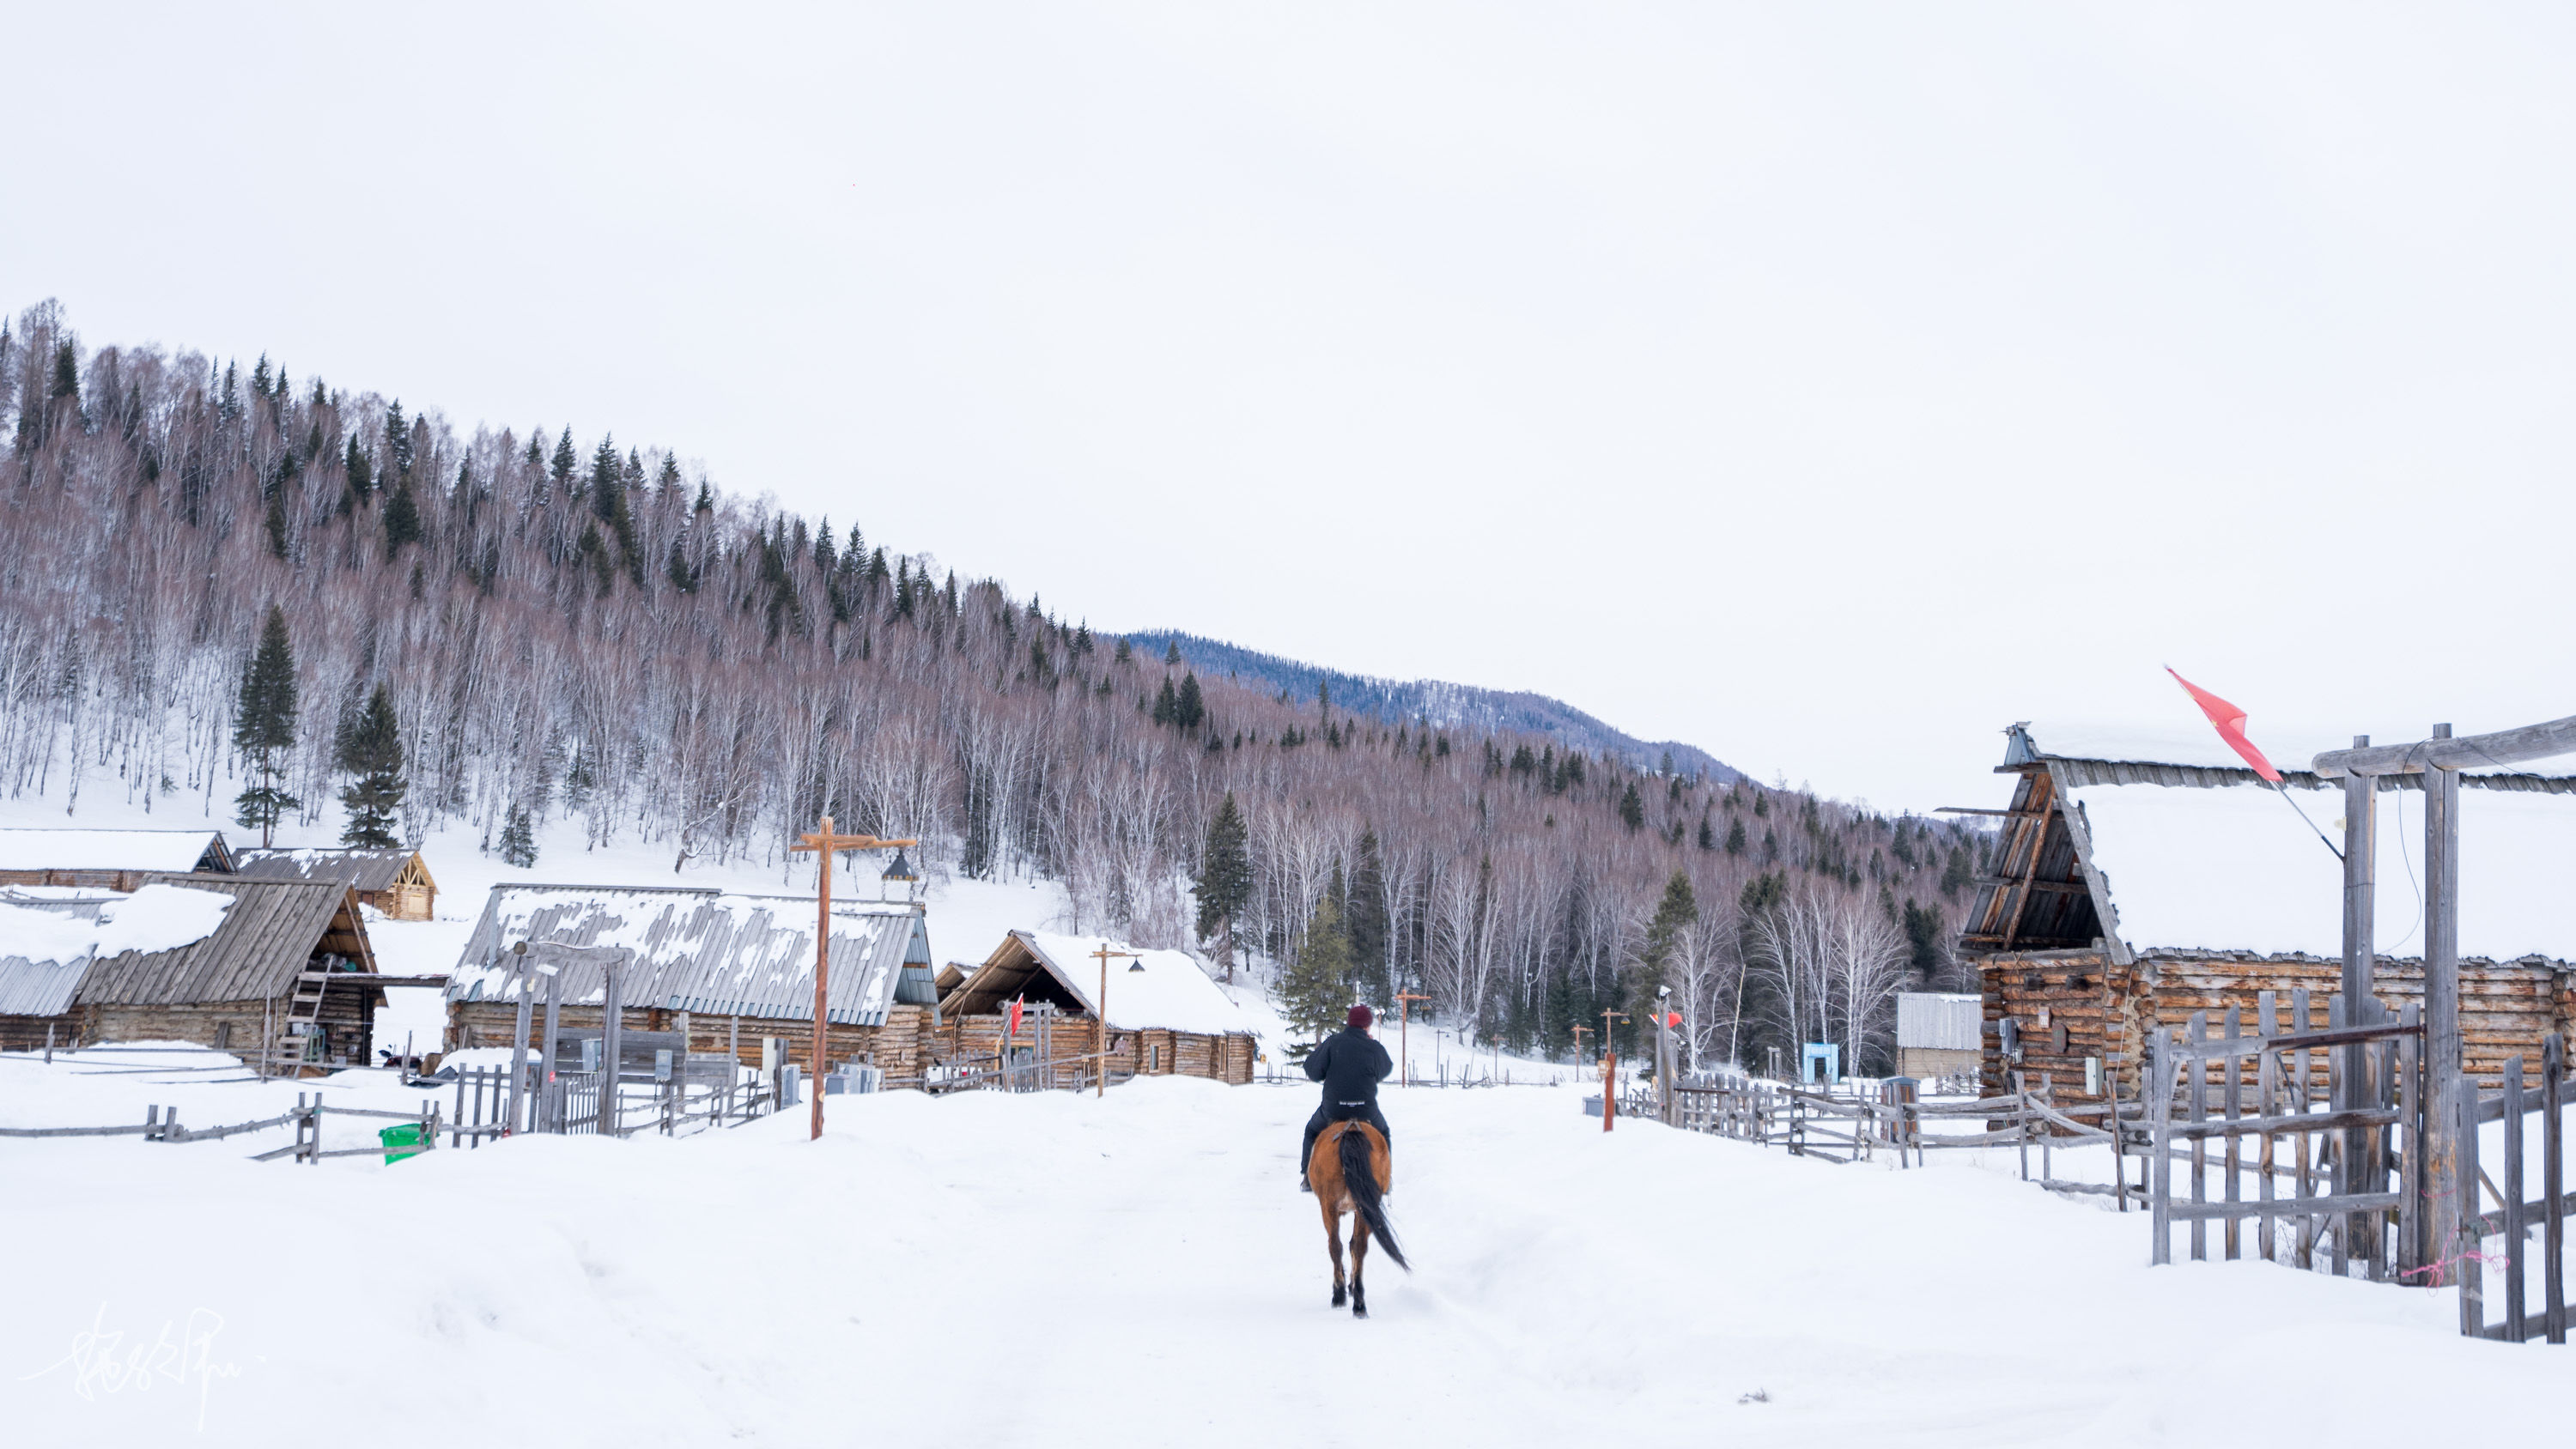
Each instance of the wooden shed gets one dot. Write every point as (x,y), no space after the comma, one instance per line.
(735,968)
(1166,1017)
(280,972)
(115,860)
(396,882)
(2140,880)
(1938,1035)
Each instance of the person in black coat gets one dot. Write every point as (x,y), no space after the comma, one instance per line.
(1350,1064)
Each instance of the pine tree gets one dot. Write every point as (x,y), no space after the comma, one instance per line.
(1189,710)
(1959,873)
(263,724)
(371,750)
(402,519)
(1632,808)
(362,471)
(1364,919)
(519,839)
(565,460)
(1315,993)
(1224,884)
(1674,914)
(1167,703)
(1735,836)
(1172,652)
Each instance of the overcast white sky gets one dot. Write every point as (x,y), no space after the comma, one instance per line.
(1825,385)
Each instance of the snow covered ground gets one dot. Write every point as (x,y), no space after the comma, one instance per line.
(1139,1269)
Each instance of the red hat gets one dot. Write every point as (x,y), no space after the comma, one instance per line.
(1360,1017)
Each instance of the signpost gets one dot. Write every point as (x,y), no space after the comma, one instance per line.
(823,842)
(1102,1006)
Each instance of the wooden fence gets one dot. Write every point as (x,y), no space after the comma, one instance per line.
(2347,1103)
(2503,1270)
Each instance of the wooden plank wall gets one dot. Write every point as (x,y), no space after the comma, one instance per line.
(973,1041)
(2106,1010)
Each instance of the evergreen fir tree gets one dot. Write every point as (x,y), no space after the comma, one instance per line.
(1189,710)
(362,471)
(1167,703)
(263,724)
(397,441)
(1959,873)
(564,461)
(1632,808)
(1224,884)
(1315,993)
(519,839)
(1735,835)
(1674,914)
(1172,652)
(402,519)
(371,750)
(1364,919)
(276,524)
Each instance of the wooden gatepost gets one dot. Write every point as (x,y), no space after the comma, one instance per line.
(2452,1225)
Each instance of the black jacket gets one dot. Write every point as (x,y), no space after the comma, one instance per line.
(1350,1064)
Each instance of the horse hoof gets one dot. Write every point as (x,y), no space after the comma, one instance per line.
(1337,1297)
(1359,1310)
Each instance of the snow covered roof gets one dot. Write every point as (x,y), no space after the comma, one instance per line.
(365,870)
(182,938)
(2180,848)
(704,950)
(2177,755)
(177,851)
(1152,991)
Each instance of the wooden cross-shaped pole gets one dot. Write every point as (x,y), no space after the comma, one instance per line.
(1102,1006)
(1404,1030)
(1609,1068)
(823,842)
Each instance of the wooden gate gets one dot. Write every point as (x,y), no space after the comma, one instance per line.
(2502,1271)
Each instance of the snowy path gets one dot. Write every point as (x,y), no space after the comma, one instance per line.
(1140,1270)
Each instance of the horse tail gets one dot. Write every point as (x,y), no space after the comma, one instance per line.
(1359,1179)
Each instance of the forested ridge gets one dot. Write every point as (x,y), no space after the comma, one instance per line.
(581,629)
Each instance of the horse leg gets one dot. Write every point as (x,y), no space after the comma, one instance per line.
(1359,1263)
(1333,1241)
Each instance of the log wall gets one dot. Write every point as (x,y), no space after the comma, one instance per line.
(2070,1005)
(902,1046)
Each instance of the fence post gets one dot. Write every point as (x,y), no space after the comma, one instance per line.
(2553,1186)
(2468,1240)
(2160,1115)
(2513,1199)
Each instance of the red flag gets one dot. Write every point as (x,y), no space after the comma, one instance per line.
(1673,1019)
(1016,1004)
(2230,724)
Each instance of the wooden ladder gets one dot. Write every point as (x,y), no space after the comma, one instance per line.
(289,1050)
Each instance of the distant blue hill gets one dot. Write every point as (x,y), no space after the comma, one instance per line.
(1448,706)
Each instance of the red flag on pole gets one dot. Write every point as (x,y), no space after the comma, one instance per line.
(2230,724)
(1016,1004)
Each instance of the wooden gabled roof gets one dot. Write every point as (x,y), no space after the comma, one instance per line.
(367,870)
(269,936)
(2040,896)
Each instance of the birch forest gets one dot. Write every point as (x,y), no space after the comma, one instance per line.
(573,625)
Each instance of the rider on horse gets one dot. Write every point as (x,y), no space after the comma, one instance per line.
(1350,1064)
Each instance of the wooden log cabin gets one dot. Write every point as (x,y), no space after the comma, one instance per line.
(2138,881)
(396,882)
(1166,1017)
(284,974)
(115,860)
(735,969)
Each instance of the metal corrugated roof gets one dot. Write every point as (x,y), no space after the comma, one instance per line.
(700,950)
(366,870)
(44,988)
(271,932)
(1940,1021)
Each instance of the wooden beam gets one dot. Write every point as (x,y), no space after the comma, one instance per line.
(2504,747)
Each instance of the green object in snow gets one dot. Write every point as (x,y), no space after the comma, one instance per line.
(410,1138)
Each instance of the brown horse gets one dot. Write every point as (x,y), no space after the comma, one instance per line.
(1350,1172)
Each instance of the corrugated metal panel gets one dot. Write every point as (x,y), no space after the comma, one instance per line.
(366,870)
(1939,1021)
(43,988)
(266,938)
(698,950)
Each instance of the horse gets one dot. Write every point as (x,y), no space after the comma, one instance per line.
(1350,1172)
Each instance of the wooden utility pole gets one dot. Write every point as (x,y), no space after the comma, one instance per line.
(1102,1006)
(823,842)
(1609,1069)
(1404,1031)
